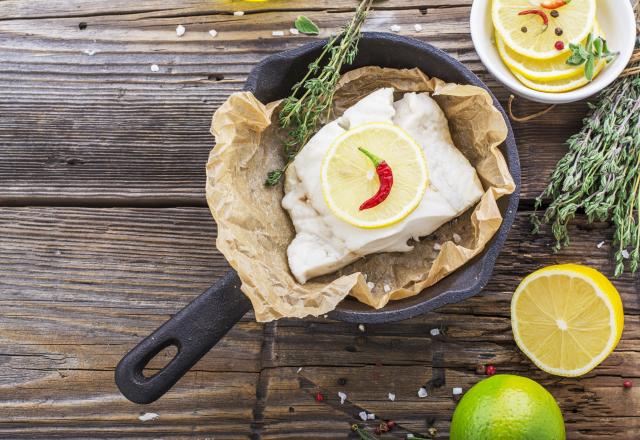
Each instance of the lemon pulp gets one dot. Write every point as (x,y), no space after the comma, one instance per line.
(348,177)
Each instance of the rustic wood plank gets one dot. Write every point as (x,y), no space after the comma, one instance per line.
(82,286)
(67,116)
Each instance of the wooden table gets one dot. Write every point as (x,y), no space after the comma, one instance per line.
(105,233)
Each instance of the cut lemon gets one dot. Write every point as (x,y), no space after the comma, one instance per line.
(566,318)
(527,34)
(541,70)
(560,85)
(349,177)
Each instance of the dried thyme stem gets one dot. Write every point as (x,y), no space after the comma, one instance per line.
(310,101)
(601,173)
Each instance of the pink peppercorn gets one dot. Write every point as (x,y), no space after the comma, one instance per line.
(319,397)
(490,370)
(627,384)
(559,45)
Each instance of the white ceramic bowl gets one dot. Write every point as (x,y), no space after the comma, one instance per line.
(615,17)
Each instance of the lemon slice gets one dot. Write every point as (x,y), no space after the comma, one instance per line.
(541,70)
(566,318)
(349,177)
(561,85)
(575,20)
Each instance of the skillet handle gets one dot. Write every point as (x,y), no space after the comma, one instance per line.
(194,331)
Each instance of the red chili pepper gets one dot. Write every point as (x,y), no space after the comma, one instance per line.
(539,13)
(554,4)
(385,176)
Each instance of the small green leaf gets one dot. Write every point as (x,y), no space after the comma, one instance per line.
(589,45)
(575,60)
(584,53)
(589,67)
(306,26)
(598,47)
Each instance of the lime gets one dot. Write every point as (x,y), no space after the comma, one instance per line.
(507,407)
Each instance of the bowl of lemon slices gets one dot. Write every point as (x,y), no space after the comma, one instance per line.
(554,51)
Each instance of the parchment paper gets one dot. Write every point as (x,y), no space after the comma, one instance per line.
(254,231)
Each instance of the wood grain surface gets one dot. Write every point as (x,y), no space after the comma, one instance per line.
(104,234)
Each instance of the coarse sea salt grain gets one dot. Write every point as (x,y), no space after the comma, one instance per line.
(155,68)
(294,31)
(342,397)
(180,30)
(417,27)
(371,416)
(299,369)
(599,245)
(90,52)
(278,33)
(387,288)
(434,332)
(213,33)
(363,416)
(456,238)
(392,397)
(457,391)
(361,327)
(238,13)
(395,28)
(422,392)
(625,254)
(370,285)
(437,246)
(148,416)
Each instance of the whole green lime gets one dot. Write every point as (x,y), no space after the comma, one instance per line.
(507,407)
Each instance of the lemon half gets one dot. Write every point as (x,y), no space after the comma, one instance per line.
(348,177)
(567,318)
(575,19)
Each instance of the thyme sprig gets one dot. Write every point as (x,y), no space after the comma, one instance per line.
(601,173)
(310,101)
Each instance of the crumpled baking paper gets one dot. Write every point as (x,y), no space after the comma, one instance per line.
(254,231)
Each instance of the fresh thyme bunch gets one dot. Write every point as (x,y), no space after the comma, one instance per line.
(601,173)
(310,101)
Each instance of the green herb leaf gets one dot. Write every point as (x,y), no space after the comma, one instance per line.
(273,177)
(589,67)
(575,60)
(306,26)
(598,45)
(589,45)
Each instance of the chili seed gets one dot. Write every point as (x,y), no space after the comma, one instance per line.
(524,29)
(559,32)
(559,45)
(555,14)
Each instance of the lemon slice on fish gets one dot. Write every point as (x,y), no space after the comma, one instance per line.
(349,175)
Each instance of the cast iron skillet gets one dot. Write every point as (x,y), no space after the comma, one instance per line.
(200,325)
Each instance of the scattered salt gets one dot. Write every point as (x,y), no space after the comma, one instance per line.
(278,33)
(90,51)
(325,316)
(155,68)
(456,238)
(299,370)
(363,415)
(395,28)
(371,416)
(180,30)
(148,416)
(342,397)
(213,33)
(387,288)
(370,285)
(417,27)
(361,327)
(625,254)
(238,13)
(392,397)
(434,332)
(457,391)
(294,31)
(599,245)
(437,246)
(422,392)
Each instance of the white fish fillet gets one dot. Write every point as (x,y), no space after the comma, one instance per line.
(324,243)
